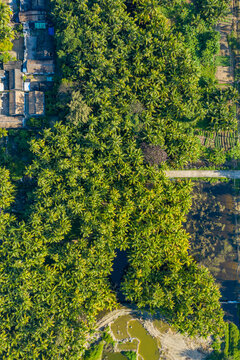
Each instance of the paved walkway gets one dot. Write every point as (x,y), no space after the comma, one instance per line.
(231,174)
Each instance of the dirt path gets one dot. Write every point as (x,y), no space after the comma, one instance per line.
(107,319)
(225,74)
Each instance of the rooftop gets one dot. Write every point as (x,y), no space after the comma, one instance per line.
(11,121)
(15,79)
(40,66)
(26,5)
(16,102)
(12,65)
(32,15)
(36,103)
(39,44)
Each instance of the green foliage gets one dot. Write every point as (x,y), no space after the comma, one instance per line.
(15,152)
(170,291)
(219,107)
(230,346)
(95,353)
(6,32)
(6,189)
(130,355)
(216,156)
(233,41)
(222,60)
(107,337)
(38,122)
(212,10)
(234,152)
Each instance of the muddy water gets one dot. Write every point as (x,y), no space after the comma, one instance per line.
(148,348)
(214,239)
(115,356)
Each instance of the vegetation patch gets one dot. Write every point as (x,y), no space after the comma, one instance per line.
(230,348)
(6,32)
(130,355)
(221,60)
(95,353)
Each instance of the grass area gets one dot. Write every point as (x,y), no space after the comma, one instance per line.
(119,327)
(148,348)
(130,355)
(95,352)
(222,60)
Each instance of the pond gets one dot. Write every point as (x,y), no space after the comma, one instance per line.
(211,224)
(119,327)
(148,348)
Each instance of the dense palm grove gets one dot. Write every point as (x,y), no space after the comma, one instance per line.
(6,32)
(134,87)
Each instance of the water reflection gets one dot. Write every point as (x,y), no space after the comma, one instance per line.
(212,225)
(119,266)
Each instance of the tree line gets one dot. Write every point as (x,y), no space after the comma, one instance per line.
(6,32)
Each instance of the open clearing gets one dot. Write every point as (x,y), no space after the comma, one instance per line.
(158,340)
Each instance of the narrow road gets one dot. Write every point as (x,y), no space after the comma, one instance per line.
(230,174)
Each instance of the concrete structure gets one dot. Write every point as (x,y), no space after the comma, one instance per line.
(230,174)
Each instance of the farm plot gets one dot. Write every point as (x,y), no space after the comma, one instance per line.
(220,140)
